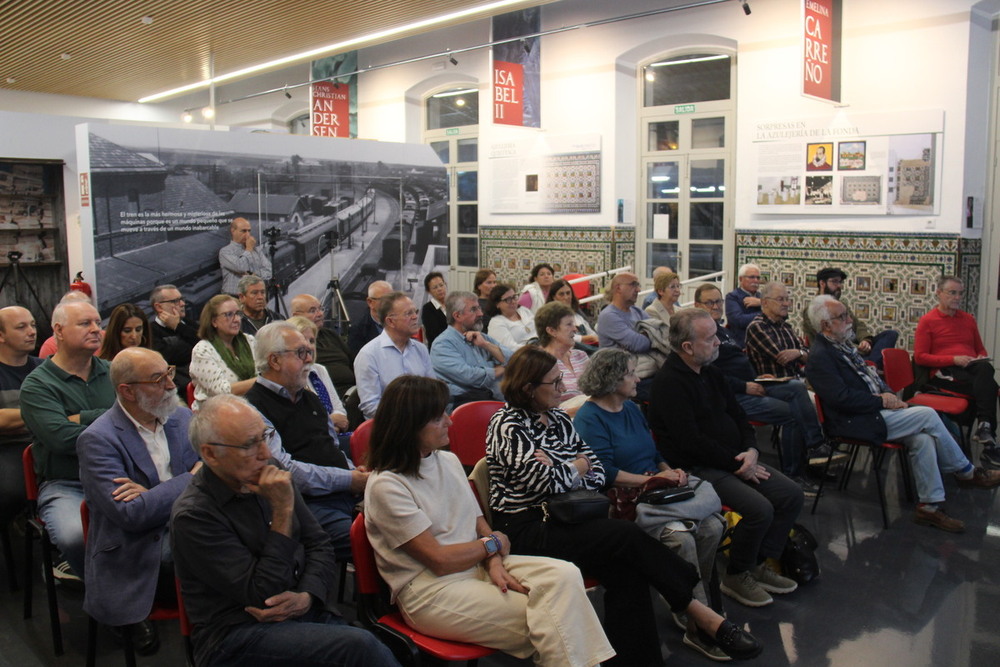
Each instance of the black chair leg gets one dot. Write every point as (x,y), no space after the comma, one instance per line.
(877,458)
(8,557)
(91,642)
(128,646)
(50,590)
(29,582)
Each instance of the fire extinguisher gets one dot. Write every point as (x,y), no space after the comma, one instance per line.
(81,285)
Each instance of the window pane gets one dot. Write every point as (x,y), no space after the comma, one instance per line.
(468,150)
(704,259)
(662,221)
(664,136)
(468,219)
(662,254)
(441,148)
(686,79)
(663,180)
(468,185)
(708,178)
(708,133)
(453,108)
(706,220)
(468,252)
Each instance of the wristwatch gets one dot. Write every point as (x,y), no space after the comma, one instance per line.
(492,544)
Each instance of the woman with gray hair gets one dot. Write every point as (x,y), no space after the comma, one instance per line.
(616,430)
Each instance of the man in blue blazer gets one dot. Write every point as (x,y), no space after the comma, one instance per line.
(135,460)
(857,404)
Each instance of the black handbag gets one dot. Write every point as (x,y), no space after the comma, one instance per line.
(667,495)
(576,506)
(798,560)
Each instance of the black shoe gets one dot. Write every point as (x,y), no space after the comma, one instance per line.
(734,641)
(990,458)
(145,638)
(818,455)
(809,489)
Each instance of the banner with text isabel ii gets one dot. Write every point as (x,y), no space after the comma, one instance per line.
(516,69)
(821,49)
(333,106)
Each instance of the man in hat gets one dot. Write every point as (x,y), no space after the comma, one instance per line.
(831,281)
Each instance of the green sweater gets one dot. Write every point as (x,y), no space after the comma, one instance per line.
(49,396)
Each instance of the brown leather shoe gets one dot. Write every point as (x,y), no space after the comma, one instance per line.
(981,479)
(938,519)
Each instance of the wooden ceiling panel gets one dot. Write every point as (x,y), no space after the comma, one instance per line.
(113,55)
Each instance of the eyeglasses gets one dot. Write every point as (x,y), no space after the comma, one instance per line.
(840,318)
(179,299)
(229,314)
(413,312)
(160,379)
(510,299)
(780,299)
(250,447)
(953,292)
(558,380)
(712,303)
(634,283)
(303,353)
(757,277)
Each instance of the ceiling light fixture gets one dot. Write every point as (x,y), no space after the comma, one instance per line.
(147,20)
(187,117)
(339,46)
(746,7)
(66,56)
(208,112)
(452,60)
(685,61)
(11,79)
(450,93)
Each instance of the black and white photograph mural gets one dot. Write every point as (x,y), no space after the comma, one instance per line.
(331,215)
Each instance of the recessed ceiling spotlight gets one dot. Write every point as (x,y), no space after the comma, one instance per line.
(11,79)
(147,20)
(187,117)
(65,56)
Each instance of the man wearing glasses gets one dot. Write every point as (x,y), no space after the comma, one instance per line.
(616,323)
(256,569)
(785,404)
(307,443)
(173,336)
(392,353)
(947,342)
(135,460)
(831,281)
(772,345)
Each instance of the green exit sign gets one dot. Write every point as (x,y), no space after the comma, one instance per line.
(684,108)
(451,131)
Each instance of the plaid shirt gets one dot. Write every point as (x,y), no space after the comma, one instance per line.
(765,339)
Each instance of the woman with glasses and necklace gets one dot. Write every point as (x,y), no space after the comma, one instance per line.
(222,361)
(511,325)
(533,452)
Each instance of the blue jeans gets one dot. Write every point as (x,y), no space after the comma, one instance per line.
(787,405)
(59,506)
(931,448)
(315,638)
(882,341)
(335,513)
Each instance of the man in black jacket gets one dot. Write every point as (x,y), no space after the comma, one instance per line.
(700,427)
(173,337)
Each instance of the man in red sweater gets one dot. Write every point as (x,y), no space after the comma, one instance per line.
(948,343)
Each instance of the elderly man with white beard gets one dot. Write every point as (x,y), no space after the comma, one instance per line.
(135,460)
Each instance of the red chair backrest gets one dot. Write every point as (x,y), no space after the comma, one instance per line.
(419,335)
(85,519)
(359,442)
(898,369)
(467,434)
(366,574)
(819,410)
(30,480)
(582,288)
(190,393)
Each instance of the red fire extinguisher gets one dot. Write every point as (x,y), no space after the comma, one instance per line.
(81,285)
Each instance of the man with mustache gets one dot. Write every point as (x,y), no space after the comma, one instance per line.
(135,460)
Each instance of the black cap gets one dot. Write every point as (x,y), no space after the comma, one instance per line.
(827,273)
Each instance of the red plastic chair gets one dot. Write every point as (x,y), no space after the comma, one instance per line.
(359,442)
(190,394)
(36,528)
(898,369)
(386,622)
(467,434)
(878,453)
(582,288)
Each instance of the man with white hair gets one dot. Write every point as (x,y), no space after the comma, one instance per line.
(470,362)
(135,460)
(857,404)
(306,441)
(368,326)
(773,346)
(59,400)
(743,303)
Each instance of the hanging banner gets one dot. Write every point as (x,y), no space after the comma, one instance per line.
(517,69)
(333,100)
(821,49)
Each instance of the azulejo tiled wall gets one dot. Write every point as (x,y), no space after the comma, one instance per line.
(512,251)
(890,277)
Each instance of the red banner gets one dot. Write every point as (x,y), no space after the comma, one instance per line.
(330,110)
(508,93)
(821,54)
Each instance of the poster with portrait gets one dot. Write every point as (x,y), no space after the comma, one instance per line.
(818,157)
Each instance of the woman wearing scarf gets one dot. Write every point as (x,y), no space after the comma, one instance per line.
(222,361)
